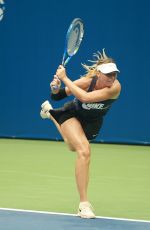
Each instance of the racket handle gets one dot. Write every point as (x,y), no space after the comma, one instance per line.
(55,87)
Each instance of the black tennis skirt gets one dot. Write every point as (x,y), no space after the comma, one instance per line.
(91,127)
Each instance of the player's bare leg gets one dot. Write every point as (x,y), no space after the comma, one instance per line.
(77,141)
(46,107)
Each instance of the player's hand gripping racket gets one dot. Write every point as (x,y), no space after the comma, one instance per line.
(73,40)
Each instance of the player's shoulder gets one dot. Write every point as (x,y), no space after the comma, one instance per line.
(115,89)
(117,85)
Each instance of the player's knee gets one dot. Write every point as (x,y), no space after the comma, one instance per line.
(84,151)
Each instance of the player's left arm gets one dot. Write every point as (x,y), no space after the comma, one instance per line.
(94,96)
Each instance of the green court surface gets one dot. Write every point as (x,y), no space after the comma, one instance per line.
(39,175)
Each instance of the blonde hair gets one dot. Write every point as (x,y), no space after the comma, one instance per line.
(100,58)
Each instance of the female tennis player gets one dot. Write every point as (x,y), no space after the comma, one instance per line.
(80,120)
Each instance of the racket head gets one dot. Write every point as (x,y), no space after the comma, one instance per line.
(73,39)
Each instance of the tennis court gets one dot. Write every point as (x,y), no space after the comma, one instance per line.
(39,175)
(25,219)
(107,41)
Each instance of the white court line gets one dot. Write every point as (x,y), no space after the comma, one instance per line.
(68,214)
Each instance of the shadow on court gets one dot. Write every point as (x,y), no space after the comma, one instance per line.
(23,220)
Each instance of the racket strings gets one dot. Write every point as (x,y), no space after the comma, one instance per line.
(73,42)
(75,38)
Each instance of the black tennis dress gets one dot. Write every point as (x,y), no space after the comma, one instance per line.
(90,114)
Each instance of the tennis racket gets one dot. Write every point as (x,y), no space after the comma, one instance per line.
(74,38)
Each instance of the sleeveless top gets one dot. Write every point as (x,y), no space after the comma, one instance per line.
(93,110)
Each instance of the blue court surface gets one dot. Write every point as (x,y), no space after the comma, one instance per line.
(11,219)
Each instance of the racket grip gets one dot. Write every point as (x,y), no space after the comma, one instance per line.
(55,87)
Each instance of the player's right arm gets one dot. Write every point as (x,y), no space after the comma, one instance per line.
(55,85)
(82,83)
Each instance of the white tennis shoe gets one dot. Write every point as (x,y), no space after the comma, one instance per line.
(46,107)
(86,210)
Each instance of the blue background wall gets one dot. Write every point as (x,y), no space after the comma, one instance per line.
(32,35)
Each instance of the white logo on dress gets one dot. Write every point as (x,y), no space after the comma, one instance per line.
(89,106)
